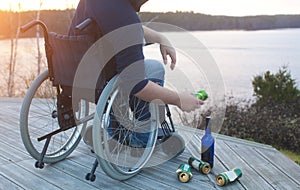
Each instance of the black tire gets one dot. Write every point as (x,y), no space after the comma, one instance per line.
(38,118)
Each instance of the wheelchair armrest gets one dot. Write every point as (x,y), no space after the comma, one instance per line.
(80,27)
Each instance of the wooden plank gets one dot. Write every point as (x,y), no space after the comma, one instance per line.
(284,164)
(12,111)
(12,125)
(17,155)
(262,167)
(10,101)
(50,175)
(11,153)
(161,175)
(198,132)
(10,134)
(192,147)
(149,181)
(80,166)
(57,177)
(3,160)
(260,163)
(138,181)
(102,180)
(25,178)
(9,124)
(167,174)
(192,150)
(231,160)
(6,183)
(218,165)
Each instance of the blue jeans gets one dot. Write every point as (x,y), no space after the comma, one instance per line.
(155,72)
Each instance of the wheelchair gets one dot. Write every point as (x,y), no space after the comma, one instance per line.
(52,122)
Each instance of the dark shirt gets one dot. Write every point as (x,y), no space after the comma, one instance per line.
(110,15)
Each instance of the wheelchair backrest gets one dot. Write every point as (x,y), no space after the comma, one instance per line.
(67,52)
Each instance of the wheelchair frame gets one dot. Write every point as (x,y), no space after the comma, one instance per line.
(112,169)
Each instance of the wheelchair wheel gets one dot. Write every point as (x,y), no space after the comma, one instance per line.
(38,117)
(119,152)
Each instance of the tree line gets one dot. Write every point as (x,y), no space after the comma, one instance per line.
(59,21)
(56,20)
(197,21)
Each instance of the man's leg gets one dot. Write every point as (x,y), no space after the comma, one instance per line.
(155,72)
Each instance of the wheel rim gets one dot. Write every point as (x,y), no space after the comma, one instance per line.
(40,119)
(116,153)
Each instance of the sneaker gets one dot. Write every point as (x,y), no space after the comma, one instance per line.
(88,139)
(88,133)
(88,136)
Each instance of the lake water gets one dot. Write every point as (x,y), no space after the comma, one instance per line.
(239,56)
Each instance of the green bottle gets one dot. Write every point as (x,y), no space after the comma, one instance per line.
(229,176)
(184,173)
(202,95)
(199,165)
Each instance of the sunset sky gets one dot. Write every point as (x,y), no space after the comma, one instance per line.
(213,7)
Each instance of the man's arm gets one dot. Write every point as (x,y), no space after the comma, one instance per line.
(155,92)
(166,48)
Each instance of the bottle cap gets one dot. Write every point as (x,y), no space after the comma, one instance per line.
(184,177)
(221,180)
(206,168)
(202,95)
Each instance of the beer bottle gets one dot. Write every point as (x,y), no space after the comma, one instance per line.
(184,173)
(207,145)
(202,95)
(199,165)
(229,176)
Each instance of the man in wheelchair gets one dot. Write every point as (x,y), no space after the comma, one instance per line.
(130,96)
(111,15)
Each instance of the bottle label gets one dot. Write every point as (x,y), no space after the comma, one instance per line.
(231,175)
(186,167)
(196,164)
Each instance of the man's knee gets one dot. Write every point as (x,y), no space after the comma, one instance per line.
(154,69)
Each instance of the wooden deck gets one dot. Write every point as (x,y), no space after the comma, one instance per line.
(263,166)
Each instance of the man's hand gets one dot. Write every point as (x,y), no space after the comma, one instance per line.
(167,50)
(188,102)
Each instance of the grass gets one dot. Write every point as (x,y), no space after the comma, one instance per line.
(293,156)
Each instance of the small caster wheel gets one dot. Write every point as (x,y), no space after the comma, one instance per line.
(90,177)
(173,146)
(39,165)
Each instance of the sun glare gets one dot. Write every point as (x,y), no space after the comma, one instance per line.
(213,7)
(24,5)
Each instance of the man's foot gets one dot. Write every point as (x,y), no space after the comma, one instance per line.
(88,137)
